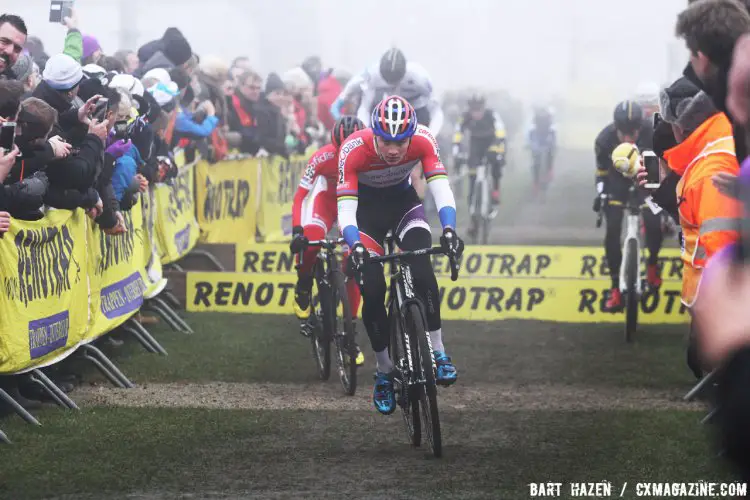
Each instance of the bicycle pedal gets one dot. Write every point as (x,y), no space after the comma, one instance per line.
(306,329)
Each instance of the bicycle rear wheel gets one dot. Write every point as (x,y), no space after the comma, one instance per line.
(325,310)
(632,300)
(408,396)
(343,335)
(424,362)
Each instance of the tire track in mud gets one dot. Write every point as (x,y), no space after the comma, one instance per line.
(329,397)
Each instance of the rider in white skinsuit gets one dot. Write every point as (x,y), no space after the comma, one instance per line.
(393,76)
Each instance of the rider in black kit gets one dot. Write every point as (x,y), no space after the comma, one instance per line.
(612,193)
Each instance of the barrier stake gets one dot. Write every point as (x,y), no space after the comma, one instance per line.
(20,410)
(168,315)
(144,336)
(106,366)
(37,376)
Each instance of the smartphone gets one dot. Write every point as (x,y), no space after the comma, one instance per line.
(59,10)
(651,163)
(100,110)
(7,135)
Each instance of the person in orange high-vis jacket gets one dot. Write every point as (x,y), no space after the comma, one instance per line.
(708,218)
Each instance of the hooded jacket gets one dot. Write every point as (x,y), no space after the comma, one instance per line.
(707,217)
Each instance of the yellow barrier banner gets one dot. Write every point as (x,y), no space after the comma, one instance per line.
(279,180)
(116,274)
(153,274)
(529,262)
(226,200)
(44,307)
(500,261)
(264,258)
(176,230)
(484,299)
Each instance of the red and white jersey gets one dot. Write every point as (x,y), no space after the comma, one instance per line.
(359,164)
(360,168)
(321,163)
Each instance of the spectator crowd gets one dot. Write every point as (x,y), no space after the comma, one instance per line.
(92,130)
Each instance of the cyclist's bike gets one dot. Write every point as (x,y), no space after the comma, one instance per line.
(411,350)
(325,326)
(541,169)
(631,276)
(481,210)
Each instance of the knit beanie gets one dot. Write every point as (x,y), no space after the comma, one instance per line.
(62,72)
(176,47)
(90,45)
(273,82)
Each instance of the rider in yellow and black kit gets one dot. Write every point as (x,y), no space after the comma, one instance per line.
(486,143)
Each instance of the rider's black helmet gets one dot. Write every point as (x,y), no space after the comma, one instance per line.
(476,102)
(393,66)
(343,128)
(628,117)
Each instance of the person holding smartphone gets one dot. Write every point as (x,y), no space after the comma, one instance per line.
(708,217)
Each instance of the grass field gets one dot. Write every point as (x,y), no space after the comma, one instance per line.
(235,411)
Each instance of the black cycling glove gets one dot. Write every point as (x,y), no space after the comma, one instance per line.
(451,243)
(299,241)
(358,258)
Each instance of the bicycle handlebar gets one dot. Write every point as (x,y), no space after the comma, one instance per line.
(327,244)
(437,250)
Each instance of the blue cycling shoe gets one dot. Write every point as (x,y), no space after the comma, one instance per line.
(383,394)
(446,371)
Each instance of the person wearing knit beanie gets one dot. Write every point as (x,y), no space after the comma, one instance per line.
(274,83)
(62,73)
(176,47)
(92,51)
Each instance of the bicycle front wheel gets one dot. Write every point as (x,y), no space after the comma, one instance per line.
(424,361)
(325,311)
(408,395)
(632,300)
(346,357)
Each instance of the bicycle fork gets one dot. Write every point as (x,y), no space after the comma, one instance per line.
(633,225)
(480,186)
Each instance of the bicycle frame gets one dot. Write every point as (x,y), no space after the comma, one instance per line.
(402,292)
(481,183)
(400,297)
(632,232)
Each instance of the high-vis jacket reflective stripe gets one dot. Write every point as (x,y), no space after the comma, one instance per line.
(707,217)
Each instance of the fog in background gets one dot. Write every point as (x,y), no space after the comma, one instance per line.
(533,48)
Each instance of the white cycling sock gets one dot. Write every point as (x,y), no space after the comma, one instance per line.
(436,339)
(385,365)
